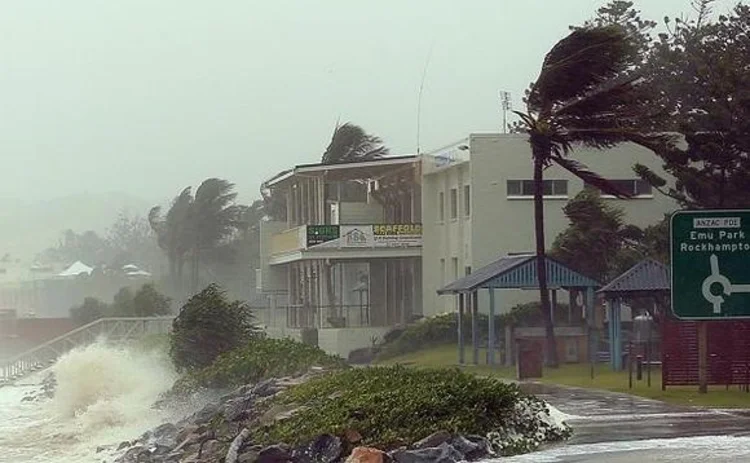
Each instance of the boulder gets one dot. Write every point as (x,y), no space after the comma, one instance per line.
(444,453)
(275,454)
(471,447)
(368,455)
(433,440)
(352,436)
(206,414)
(325,449)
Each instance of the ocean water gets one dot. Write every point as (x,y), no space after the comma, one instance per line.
(104,396)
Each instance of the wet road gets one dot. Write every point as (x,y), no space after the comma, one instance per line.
(622,428)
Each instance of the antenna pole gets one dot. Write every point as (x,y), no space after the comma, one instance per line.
(506,106)
(419,99)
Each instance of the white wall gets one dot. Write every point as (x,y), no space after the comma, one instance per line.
(341,341)
(444,240)
(499,225)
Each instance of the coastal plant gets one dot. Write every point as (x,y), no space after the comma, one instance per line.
(207,326)
(259,359)
(396,406)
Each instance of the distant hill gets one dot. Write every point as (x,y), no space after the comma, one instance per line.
(28,227)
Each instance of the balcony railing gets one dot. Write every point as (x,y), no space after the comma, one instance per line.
(321,317)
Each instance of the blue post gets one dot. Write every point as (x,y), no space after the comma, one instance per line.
(612,332)
(475,326)
(491,336)
(617,307)
(461,328)
(591,322)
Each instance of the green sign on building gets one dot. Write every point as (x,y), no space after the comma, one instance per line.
(711,264)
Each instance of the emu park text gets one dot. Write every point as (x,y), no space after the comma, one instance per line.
(710,264)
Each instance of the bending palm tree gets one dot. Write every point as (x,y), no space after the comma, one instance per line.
(351,143)
(585,95)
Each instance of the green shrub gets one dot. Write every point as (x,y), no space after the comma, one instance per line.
(259,359)
(394,406)
(443,329)
(207,326)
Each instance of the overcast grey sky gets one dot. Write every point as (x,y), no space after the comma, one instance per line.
(148,96)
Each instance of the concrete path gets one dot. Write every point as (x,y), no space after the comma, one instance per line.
(616,427)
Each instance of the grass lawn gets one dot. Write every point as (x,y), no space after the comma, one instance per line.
(579,375)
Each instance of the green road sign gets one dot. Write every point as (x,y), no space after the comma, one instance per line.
(711,264)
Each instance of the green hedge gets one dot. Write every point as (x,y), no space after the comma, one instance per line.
(259,359)
(394,406)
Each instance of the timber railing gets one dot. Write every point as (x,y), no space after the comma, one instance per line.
(114,330)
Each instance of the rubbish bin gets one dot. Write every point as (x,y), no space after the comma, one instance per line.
(529,359)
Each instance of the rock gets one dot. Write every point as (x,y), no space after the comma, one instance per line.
(137,454)
(274,454)
(325,449)
(472,447)
(238,409)
(186,431)
(352,436)
(123,445)
(211,450)
(165,435)
(367,455)
(206,414)
(445,453)
(266,388)
(248,457)
(433,440)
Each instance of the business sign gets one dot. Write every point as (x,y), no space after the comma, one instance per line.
(373,236)
(710,264)
(319,234)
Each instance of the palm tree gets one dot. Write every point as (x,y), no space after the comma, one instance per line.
(586,94)
(214,218)
(173,233)
(196,225)
(351,143)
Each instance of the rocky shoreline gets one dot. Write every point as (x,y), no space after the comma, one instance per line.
(223,431)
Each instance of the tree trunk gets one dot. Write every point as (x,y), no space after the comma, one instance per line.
(541,257)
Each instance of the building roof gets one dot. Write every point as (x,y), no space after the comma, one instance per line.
(346,170)
(646,276)
(519,271)
(76,269)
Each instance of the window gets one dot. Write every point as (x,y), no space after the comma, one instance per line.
(525,188)
(467,270)
(635,186)
(467,200)
(441,206)
(454,203)
(442,271)
(454,261)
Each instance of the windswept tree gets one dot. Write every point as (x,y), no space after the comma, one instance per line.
(351,143)
(196,226)
(584,96)
(700,75)
(173,233)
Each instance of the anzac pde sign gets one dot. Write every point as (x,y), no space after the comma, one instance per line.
(710,264)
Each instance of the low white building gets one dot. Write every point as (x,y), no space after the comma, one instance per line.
(477,205)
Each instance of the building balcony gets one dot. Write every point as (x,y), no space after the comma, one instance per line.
(366,241)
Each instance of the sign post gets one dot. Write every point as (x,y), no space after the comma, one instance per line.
(710,271)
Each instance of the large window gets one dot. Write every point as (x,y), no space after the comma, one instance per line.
(635,186)
(525,188)
(467,200)
(441,206)
(454,203)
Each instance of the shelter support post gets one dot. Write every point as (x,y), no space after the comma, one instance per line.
(615,333)
(590,323)
(475,326)
(460,328)
(491,330)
